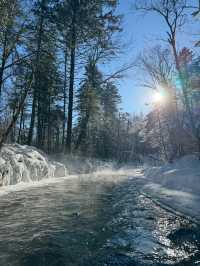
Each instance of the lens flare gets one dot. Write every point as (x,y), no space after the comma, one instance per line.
(158,97)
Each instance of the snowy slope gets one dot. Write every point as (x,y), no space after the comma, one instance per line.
(177,185)
(26,164)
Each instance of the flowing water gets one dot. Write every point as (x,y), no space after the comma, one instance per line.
(86,221)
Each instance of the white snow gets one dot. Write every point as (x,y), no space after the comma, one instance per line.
(22,164)
(177,185)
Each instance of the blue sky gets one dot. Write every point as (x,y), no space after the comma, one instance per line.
(139,32)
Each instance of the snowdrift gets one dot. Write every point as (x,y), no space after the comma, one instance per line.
(177,185)
(182,175)
(26,164)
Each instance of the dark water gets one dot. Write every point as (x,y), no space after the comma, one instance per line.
(84,222)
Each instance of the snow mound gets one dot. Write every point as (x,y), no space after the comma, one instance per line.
(182,175)
(26,164)
(177,185)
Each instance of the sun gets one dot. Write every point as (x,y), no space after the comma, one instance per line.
(158,97)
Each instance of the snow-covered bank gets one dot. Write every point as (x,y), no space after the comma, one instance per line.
(177,185)
(26,164)
(21,164)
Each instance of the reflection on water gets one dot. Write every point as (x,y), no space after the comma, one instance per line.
(85,222)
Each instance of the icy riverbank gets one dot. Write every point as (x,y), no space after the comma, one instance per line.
(21,164)
(177,185)
(26,164)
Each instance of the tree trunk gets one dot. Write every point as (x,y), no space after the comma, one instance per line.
(37,63)
(57,142)
(20,126)
(64,98)
(71,89)
(71,80)
(31,128)
(83,131)
(39,139)
(71,101)
(3,62)
(49,126)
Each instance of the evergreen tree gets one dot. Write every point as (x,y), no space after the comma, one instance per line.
(85,20)
(88,103)
(97,107)
(42,44)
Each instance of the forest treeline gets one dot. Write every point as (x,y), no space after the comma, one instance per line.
(55,95)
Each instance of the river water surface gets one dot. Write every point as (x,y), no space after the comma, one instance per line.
(86,221)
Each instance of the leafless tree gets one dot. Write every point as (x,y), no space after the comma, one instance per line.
(158,66)
(174,13)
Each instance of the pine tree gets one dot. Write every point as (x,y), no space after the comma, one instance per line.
(85,20)
(42,44)
(97,107)
(89,101)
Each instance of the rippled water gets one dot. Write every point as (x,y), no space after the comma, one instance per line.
(92,222)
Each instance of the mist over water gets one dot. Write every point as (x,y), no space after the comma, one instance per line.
(93,219)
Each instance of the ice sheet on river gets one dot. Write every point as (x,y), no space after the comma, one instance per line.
(26,164)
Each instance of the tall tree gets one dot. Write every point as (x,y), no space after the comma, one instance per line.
(86,21)
(88,104)
(97,108)
(42,43)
